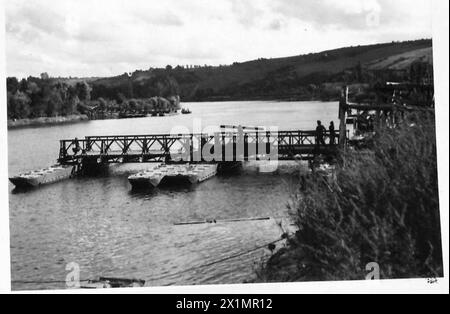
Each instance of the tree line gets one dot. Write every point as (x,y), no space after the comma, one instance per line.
(42,97)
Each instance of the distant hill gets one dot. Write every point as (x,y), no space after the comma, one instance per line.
(403,61)
(316,76)
(297,77)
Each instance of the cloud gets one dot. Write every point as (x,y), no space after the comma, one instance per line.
(35,19)
(275,25)
(324,13)
(109,37)
(43,19)
(165,19)
(355,14)
(246,12)
(155,15)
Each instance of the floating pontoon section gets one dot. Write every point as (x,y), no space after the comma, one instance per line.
(44,176)
(176,173)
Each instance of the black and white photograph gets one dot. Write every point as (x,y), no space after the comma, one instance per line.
(198,143)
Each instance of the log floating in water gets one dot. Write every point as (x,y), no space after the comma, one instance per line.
(211,221)
(104,282)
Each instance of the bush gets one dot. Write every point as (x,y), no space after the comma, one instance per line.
(381,205)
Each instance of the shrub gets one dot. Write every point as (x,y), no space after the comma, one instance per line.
(381,205)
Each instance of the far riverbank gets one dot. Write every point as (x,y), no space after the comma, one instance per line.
(44,121)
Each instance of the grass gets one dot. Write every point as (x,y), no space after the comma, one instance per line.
(381,205)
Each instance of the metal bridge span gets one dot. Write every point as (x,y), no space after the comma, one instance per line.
(197,148)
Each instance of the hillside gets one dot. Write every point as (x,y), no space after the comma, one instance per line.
(291,77)
(318,76)
(403,61)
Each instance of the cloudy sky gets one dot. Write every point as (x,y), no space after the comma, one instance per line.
(110,37)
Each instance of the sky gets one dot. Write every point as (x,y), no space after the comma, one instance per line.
(84,38)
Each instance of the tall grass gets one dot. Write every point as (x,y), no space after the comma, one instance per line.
(381,206)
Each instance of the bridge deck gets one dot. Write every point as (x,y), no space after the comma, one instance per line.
(190,148)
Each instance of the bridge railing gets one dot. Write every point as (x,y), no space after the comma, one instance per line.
(158,147)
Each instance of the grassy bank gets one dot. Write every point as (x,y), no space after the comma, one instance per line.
(381,206)
(44,121)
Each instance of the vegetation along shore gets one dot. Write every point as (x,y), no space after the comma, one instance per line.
(380,205)
(157,91)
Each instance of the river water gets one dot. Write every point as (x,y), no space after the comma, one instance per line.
(109,230)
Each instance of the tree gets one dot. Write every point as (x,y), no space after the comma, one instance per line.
(133,105)
(164,86)
(147,106)
(32,88)
(45,76)
(12,84)
(69,105)
(160,88)
(9,108)
(83,91)
(121,98)
(71,101)
(172,87)
(23,85)
(18,105)
(53,103)
(102,104)
(35,93)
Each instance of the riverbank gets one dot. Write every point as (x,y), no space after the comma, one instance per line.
(380,207)
(281,98)
(45,121)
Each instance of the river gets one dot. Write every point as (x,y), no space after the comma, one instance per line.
(109,230)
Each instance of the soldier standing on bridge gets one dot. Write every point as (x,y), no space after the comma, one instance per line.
(76,146)
(332,133)
(320,133)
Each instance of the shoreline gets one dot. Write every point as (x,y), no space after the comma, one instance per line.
(46,121)
(262,98)
(76,118)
